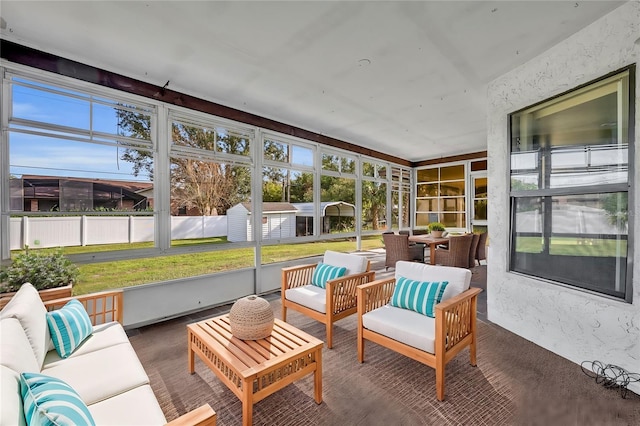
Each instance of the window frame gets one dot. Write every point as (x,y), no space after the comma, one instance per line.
(549,191)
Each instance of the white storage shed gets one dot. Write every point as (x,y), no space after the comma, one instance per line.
(278,221)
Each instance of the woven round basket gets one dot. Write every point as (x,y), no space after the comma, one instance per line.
(251,318)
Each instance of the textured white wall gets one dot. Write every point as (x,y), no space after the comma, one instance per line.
(574,324)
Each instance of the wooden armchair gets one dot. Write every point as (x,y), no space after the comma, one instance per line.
(457,253)
(332,303)
(397,248)
(431,341)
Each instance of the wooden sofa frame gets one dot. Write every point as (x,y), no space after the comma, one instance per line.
(455,328)
(341,295)
(105,307)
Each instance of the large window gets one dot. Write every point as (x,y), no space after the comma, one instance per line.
(209,174)
(570,186)
(400,196)
(138,191)
(78,174)
(374,195)
(338,193)
(287,189)
(441,196)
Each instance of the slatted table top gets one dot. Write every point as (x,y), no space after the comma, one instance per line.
(250,357)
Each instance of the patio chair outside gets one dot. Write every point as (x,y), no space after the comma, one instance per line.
(457,254)
(397,248)
(433,341)
(332,303)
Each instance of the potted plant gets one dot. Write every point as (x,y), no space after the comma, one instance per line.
(50,272)
(436,229)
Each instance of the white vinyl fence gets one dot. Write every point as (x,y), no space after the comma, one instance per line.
(42,232)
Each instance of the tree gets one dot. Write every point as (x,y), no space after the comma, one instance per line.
(617,207)
(374,202)
(203,183)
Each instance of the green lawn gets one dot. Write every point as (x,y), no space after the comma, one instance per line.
(587,247)
(124,273)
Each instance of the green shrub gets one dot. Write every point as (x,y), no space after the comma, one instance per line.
(436,226)
(43,270)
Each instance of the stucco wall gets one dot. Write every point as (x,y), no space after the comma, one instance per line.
(572,323)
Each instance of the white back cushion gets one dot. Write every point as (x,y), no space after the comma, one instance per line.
(15,350)
(27,307)
(459,278)
(12,412)
(355,264)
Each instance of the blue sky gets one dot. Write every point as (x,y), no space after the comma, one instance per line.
(59,156)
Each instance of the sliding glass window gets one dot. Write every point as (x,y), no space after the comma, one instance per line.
(79,175)
(374,195)
(400,198)
(571,158)
(210,176)
(338,193)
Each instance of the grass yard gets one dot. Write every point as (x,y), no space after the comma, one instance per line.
(587,247)
(125,273)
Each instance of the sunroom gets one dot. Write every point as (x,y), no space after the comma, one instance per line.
(473,114)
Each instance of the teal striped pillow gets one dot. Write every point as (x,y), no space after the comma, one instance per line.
(419,296)
(324,273)
(68,327)
(50,401)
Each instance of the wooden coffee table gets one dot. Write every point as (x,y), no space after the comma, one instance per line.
(254,369)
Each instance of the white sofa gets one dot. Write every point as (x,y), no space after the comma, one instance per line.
(104,370)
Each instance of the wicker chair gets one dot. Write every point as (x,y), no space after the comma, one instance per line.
(332,303)
(481,252)
(397,248)
(457,254)
(473,250)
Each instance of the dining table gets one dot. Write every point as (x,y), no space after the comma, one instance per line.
(432,242)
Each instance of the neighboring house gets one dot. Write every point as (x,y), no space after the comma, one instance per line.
(33,193)
(284,220)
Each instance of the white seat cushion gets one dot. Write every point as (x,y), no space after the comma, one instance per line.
(137,406)
(311,296)
(458,278)
(27,307)
(12,412)
(355,264)
(103,336)
(101,374)
(403,325)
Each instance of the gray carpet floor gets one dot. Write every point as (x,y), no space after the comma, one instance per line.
(515,382)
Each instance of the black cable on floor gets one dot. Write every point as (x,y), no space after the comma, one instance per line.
(610,376)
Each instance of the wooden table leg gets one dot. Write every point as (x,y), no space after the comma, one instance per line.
(317,377)
(247,402)
(190,354)
(432,250)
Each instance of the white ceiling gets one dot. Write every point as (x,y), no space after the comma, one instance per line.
(403,78)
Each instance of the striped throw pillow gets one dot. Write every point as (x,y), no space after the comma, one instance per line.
(69,327)
(324,273)
(50,401)
(419,296)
